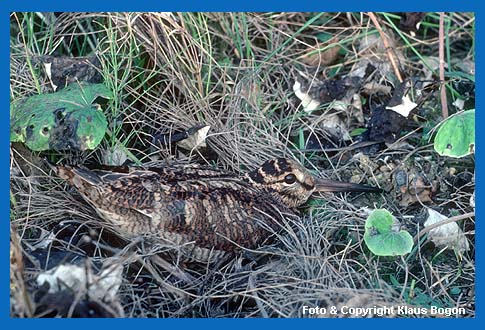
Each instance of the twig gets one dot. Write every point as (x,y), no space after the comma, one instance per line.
(390,54)
(444,222)
(441,54)
(175,271)
(342,149)
(252,286)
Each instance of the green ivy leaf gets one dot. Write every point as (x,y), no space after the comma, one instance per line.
(456,136)
(68,119)
(381,236)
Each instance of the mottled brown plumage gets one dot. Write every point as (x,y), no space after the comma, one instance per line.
(210,212)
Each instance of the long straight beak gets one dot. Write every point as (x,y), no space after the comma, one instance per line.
(324,185)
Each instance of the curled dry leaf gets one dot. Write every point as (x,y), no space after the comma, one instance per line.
(308,103)
(430,69)
(315,56)
(472,200)
(340,96)
(251,92)
(459,104)
(115,156)
(356,108)
(332,124)
(196,138)
(45,239)
(20,300)
(313,92)
(413,187)
(400,101)
(466,66)
(405,107)
(62,71)
(372,51)
(190,139)
(376,88)
(387,122)
(447,235)
(105,285)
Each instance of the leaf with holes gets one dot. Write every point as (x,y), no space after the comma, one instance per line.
(68,119)
(456,136)
(383,236)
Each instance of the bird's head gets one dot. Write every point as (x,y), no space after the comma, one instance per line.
(294,184)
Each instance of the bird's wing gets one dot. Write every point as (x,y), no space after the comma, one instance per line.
(213,212)
(140,189)
(220,220)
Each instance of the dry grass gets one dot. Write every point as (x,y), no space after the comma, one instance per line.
(234,72)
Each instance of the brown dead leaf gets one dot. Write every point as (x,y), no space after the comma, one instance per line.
(373,51)
(413,188)
(365,163)
(251,92)
(62,71)
(20,299)
(376,88)
(334,125)
(315,56)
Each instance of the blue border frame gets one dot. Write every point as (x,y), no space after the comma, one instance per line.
(240,5)
(7,6)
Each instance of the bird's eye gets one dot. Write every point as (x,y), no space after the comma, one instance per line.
(290,179)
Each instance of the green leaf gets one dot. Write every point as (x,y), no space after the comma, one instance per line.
(324,36)
(358,131)
(68,119)
(456,136)
(381,236)
(455,291)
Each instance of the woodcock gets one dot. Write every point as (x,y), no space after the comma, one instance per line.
(210,212)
